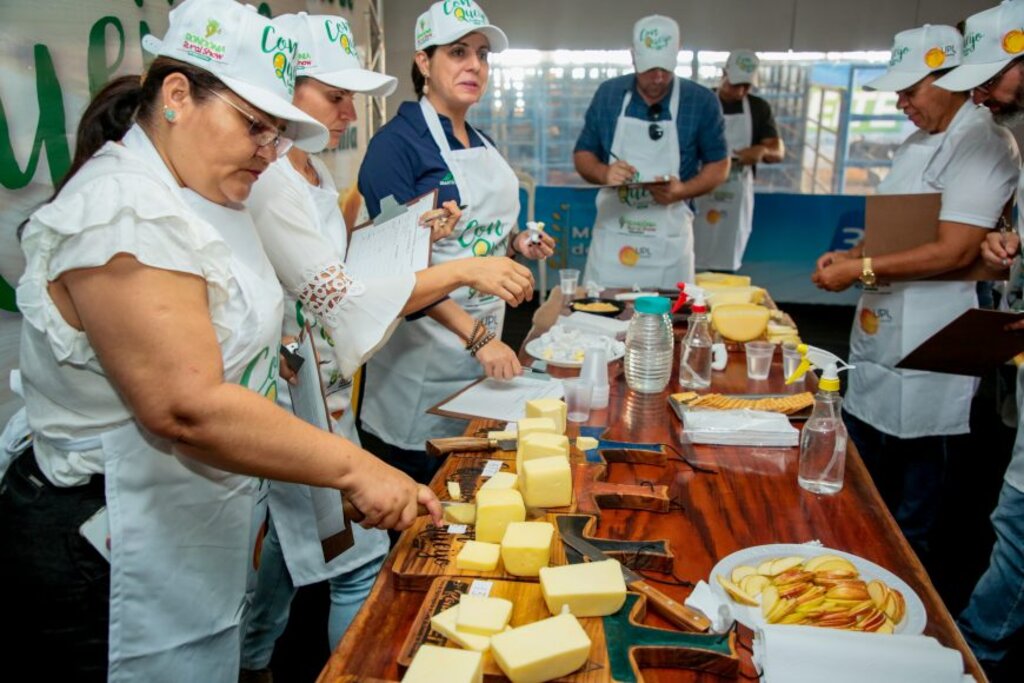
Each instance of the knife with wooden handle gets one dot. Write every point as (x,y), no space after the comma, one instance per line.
(468,444)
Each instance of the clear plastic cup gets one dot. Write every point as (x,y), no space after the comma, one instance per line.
(595,371)
(569,277)
(759,359)
(577,399)
(790,361)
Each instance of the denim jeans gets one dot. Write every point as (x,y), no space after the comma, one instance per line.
(267,617)
(995,611)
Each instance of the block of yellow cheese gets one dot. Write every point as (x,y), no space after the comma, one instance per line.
(454,490)
(551,408)
(495,508)
(586,443)
(734,295)
(740,322)
(531,425)
(483,616)
(446,623)
(478,556)
(541,651)
(501,480)
(546,482)
(592,589)
(526,547)
(727,279)
(434,664)
(460,513)
(540,445)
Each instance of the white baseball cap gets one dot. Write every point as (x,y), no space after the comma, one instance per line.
(249,53)
(447,21)
(741,67)
(915,54)
(327,52)
(655,43)
(992,39)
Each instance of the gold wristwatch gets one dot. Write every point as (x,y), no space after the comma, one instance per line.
(867,275)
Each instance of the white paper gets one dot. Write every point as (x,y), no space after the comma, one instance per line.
(457,529)
(397,246)
(502,400)
(491,467)
(480,589)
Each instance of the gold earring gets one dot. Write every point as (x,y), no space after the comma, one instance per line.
(426,84)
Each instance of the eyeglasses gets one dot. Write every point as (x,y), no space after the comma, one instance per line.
(260,133)
(655,131)
(991,83)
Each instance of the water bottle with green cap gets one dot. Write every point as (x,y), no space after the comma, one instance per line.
(649,345)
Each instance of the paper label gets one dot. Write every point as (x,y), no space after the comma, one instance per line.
(491,467)
(457,528)
(480,589)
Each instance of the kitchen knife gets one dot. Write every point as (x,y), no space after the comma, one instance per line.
(467,444)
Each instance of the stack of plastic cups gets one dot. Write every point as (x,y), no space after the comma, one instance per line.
(595,371)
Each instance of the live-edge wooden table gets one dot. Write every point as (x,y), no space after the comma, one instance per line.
(753,499)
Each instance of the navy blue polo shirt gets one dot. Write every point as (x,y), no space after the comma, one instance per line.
(701,125)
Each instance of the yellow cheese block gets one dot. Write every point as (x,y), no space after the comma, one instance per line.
(531,425)
(434,664)
(460,513)
(740,322)
(501,480)
(592,589)
(547,482)
(478,556)
(586,443)
(454,490)
(541,651)
(727,279)
(483,616)
(446,622)
(495,508)
(552,408)
(526,547)
(540,445)
(734,295)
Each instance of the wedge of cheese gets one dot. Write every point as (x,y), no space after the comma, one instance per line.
(540,445)
(530,425)
(454,490)
(478,556)
(547,482)
(526,547)
(501,480)
(495,509)
(541,651)
(446,622)
(460,513)
(727,279)
(592,589)
(552,408)
(483,616)
(434,664)
(740,322)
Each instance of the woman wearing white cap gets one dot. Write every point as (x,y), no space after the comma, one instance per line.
(295,208)
(904,422)
(429,145)
(148,354)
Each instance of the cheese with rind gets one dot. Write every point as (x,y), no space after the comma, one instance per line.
(591,589)
(546,482)
(478,556)
(495,509)
(541,651)
(482,616)
(460,513)
(433,664)
(526,547)
(551,408)
(740,322)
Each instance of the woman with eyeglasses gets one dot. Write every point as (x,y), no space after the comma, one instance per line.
(429,145)
(148,355)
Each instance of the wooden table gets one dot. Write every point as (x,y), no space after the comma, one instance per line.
(754,499)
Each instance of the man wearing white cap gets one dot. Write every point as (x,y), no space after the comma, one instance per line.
(665,132)
(905,422)
(993,47)
(725,216)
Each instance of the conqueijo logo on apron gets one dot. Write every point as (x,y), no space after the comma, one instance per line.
(260,374)
(871,320)
(630,256)
(482,239)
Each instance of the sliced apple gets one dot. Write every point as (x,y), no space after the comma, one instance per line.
(793,618)
(886,627)
(735,592)
(793,576)
(851,590)
(741,572)
(754,584)
(783,607)
(814,563)
(769,598)
(794,590)
(879,593)
(785,564)
(765,568)
(901,605)
(837,563)
(816,593)
(872,621)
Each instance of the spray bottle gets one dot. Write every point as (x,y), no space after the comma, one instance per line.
(823,440)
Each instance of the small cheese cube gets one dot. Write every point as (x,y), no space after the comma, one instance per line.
(483,616)
(460,513)
(541,651)
(532,425)
(434,664)
(586,443)
(593,589)
(547,482)
(501,480)
(495,508)
(478,556)
(446,622)
(454,490)
(526,547)
(501,436)
(551,408)
(540,445)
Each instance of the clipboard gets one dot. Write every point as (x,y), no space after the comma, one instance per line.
(309,404)
(542,380)
(896,222)
(391,214)
(973,344)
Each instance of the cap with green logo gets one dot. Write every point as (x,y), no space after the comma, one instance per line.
(447,21)
(992,39)
(915,54)
(741,67)
(655,43)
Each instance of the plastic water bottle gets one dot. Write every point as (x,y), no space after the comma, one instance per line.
(695,357)
(823,441)
(649,346)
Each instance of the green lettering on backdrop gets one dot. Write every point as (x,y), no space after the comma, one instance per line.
(99,71)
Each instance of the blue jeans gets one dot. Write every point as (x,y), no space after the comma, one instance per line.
(996,608)
(268,615)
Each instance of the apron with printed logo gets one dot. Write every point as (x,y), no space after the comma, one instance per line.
(424,363)
(725,216)
(637,241)
(893,320)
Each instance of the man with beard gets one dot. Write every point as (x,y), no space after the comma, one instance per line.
(992,67)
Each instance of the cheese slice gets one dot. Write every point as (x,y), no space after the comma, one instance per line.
(592,589)
(586,443)
(460,513)
(495,509)
(501,480)
(454,490)
(727,279)
(547,482)
(446,622)
(483,616)
(541,651)
(540,445)
(478,556)
(526,547)
(531,425)
(551,408)
(740,322)
(501,436)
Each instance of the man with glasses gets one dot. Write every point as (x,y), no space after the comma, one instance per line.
(654,141)
(992,67)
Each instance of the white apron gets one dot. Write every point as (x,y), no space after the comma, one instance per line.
(725,216)
(635,240)
(424,362)
(892,320)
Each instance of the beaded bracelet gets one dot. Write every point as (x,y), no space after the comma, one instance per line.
(482,342)
(478,328)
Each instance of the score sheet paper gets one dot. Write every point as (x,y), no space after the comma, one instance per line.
(502,400)
(395,247)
